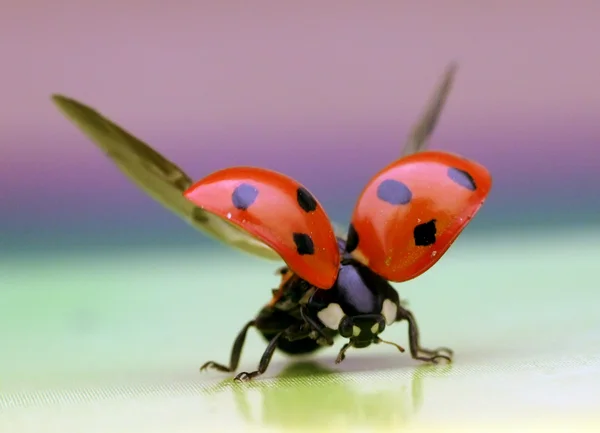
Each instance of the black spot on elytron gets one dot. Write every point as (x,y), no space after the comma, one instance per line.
(305,200)
(244,196)
(462,178)
(424,234)
(394,192)
(304,244)
(352,239)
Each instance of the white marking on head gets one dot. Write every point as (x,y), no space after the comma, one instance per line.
(375,328)
(389,311)
(355,330)
(331,316)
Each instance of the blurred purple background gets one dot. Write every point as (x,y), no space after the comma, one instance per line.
(324,91)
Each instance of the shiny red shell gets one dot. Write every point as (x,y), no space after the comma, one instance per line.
(410,213)
(278,211)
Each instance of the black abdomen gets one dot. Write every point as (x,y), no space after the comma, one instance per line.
(298,347)
(271,321)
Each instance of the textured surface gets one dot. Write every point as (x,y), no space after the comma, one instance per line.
(112,342)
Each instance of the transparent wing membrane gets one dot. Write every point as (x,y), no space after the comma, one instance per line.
(418,138)
(165,182)
(156,175)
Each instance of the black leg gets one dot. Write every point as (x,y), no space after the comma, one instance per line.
(236,352)
(416,351)
(265,360)
(342,354)
(324,338)
(296,332)
(292,333)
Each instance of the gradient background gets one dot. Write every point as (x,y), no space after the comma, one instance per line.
(219,83)
(322,91)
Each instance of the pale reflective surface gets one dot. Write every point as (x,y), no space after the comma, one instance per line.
(111,342)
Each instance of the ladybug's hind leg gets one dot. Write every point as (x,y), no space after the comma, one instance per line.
(292,333)
(273,325)
(236,352)
(265,360)
(416,351)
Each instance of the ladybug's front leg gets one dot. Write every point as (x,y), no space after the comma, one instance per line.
(318,331)
(416,351)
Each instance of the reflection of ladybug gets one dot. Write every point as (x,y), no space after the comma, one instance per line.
(346,403)
(405,219)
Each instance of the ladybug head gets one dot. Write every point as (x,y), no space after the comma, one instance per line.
(363,329)
(357,306)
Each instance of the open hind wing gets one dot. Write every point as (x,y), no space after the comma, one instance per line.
(418,138)
(166,182)
(156,175)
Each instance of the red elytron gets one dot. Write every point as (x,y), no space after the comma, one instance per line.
(278,211)
(404,221)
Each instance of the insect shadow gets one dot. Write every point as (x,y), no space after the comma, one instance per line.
(308,394)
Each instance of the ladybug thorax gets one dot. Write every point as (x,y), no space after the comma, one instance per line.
(354,295)
(359,305)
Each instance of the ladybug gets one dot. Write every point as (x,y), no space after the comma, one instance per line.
(334,283)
